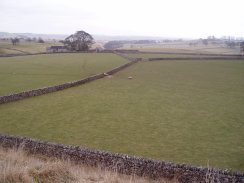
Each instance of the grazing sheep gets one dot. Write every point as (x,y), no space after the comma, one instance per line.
(130,77)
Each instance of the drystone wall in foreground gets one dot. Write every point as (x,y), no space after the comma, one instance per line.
(123,163)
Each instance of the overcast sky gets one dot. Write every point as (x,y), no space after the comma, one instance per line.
(166,18)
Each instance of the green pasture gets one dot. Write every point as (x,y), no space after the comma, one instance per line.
(28,47)
(6,51)
(6,46)
(180,111)
(30,72)
(146,55)
(183,47)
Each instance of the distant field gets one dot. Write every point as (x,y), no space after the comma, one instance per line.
(30,72)
(183,47)
(6,47)
(4,51)
(143,55)
(29,47)
(181,111)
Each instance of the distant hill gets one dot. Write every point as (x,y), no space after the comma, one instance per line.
(63,36)
(32,35)
(97,37)
(129,38)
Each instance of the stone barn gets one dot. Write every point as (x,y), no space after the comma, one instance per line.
(57,49)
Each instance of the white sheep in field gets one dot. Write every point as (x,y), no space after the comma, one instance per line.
(130,77)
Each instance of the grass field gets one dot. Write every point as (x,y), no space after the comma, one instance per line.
(23,47)
(143,55)
(29,47)
(183,47)
(180,111)
(4,51)
(30,72)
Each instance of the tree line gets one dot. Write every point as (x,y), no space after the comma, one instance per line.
(119,44)
(16,40)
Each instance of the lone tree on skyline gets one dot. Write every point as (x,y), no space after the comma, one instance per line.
(80,41)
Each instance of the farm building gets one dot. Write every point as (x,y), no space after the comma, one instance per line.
(54,49)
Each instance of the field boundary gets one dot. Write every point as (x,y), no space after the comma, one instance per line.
(50,89)
(185,53)
(123,163)
(50,53)
(13,49)
(197,58)
(123,52)
(201,56)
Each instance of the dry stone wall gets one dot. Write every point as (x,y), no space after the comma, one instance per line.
(198,58)
(49,53)
(197,54)
(45,90)
(123,163)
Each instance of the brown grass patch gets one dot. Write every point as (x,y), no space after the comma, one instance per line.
(18,167)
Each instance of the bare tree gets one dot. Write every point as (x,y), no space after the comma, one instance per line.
(40,40)
(242,47)
(205,42)
(28,39)
(15,41)
(80,41)
(230,44)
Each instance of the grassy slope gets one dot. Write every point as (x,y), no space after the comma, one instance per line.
(29,72)
(142,55)
(30,47)
(181,111)
(17,166)
(8,51)
(184,47)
